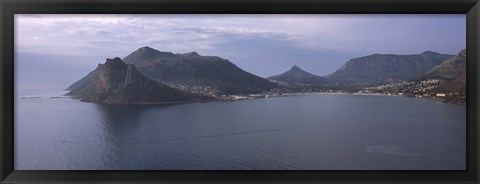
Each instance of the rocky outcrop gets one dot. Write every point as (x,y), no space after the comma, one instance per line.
(118,83)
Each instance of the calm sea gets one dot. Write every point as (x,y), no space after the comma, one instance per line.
(302,132)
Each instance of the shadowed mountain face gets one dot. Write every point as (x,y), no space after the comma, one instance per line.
(449,69)
(118,83)
(378,68)
(297,76)
(453,71)
(192,69)
(457,85)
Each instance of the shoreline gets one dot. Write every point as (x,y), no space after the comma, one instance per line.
(373,94)
(344,93)
(247,97)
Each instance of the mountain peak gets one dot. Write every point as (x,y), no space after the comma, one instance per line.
(296,70)
(146,54)
(296,76)
(146,48)
(428,52)
(115,62)
(191,54)
(147,51)
(295,67)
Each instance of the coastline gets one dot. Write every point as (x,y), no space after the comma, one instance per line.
(246,97)
(375,94)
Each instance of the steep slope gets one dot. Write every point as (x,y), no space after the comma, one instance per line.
(449,69)
(457,85)
(453,72)
(193,70)
(297,76)
(379,68)
(118,83)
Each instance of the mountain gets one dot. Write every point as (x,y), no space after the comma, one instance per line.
(457,85)
(453,72)
(454,90)
(446,82)
(193,71)
(118,83)
(378,68)
(297,76)
(146,54)
(449,69)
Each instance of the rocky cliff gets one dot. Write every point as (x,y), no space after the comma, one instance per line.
(115,82)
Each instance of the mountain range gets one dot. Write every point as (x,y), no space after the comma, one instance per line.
(151,76)
(378,68)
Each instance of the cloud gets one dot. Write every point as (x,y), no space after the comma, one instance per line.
(243,38)
(330,32)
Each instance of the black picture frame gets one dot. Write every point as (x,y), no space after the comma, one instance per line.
(10,7)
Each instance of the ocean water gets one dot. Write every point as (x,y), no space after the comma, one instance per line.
(300,132)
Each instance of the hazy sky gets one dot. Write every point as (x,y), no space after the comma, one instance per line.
(261,44)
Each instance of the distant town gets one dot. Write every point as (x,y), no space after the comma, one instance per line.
(421,89)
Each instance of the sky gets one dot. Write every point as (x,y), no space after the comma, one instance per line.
(265,45)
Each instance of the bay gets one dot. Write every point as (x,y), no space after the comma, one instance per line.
(299,132)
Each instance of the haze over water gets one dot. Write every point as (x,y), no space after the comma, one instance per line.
(317,131)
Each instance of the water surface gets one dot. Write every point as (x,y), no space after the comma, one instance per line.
(302,132)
